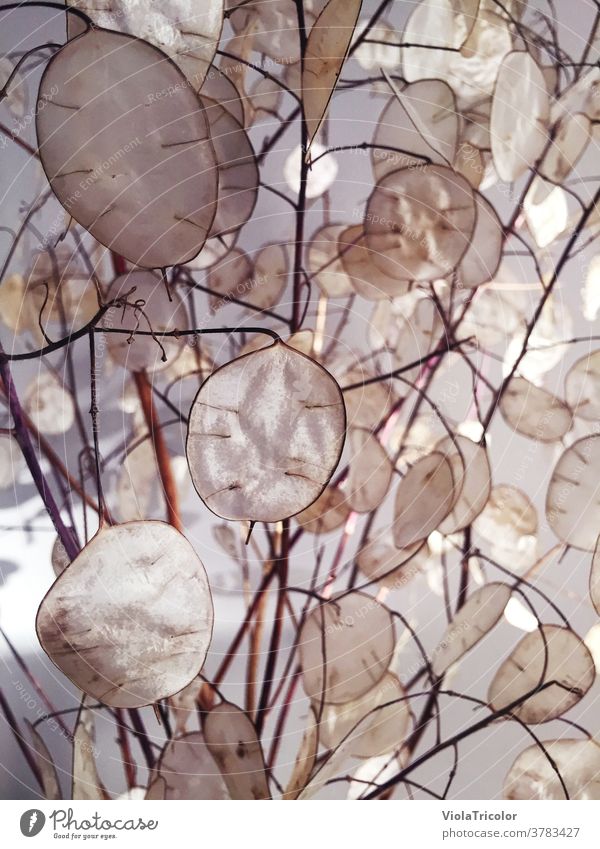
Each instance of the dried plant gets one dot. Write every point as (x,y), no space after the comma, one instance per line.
(298,364)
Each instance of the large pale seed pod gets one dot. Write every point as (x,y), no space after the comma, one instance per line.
(186,31)
(346,646)
(326,50)
(519,117)
(375,723)
(534,411)
(582,387)
(130,620)
(370,471)
(425,496)
(533,775)
(478,615)
(231,739)
(265,434)
(124,142)
(552,656)
(419,222)
(151,309)
(238,171)
(472,479)
(573,496)
(187,770)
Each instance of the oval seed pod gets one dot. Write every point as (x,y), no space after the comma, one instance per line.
(265,434)
(472,480)
(130,620)
(232,741)
(478,615)
(327,513)
(379,560)
(375,723)
(534,411)
(370,471)
(327,46)
(582,387)
(419,223)
(124,142)
(518,134)
(533,775)
(425,496)
(595,579)
(49,404)
(553,656)
(187,770)
(186,31)
(483,256)
(346,646)
(573,496)
(325,263)
(150,308)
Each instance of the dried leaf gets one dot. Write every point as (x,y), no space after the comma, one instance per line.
(130,620)
(553,658)
(265,434)
(146,191)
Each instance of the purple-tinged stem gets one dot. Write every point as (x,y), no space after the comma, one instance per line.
(23,439)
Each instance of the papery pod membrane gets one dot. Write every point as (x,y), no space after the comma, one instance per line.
(231,739)
(370,471)
(359,263)
(188,33)
(305,759)
(326,49)
(130,620)
(533,775)
(375,723)
(379,560)
(325,263)
(553,656)
(238,171)
(420,121)
(483,256)
(124,142)
(570,139)
(265,434)
(346,646)
(49,405)
(595,580)
(329,512)
(86,784)
(11,461)
(45,764)
(573,496)
(144,303)
(419,222)
(534,411)
(519,117)
(424,497)
(478,615)
(582,387)
(187,770)
(472,480)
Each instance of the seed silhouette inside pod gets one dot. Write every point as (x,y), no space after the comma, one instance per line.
(265,434)
(130,620)
(125,144)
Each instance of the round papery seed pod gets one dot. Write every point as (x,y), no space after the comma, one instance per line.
(130,620)
(265,434)
(124,142)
